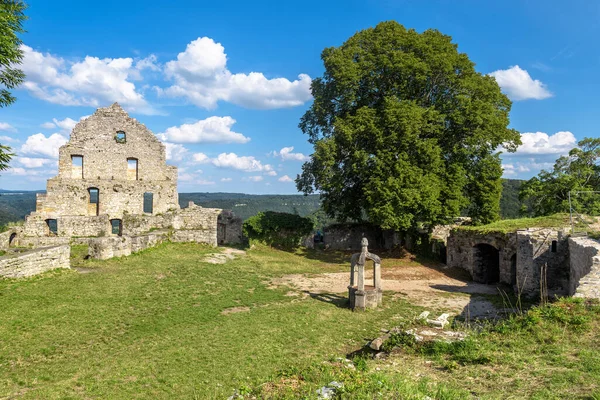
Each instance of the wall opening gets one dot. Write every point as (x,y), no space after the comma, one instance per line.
(52,226)
(132,169)
(486,264)
(148,202)
(77,167)
(120,137)
(221,232)
(94,204)
(554,246)
(513,270)
(116,226)
(11,239)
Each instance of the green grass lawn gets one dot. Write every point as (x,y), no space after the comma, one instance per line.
(151,325)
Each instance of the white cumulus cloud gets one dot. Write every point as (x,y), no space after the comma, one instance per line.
(200,74)
(541,143)
(226,179)
(175,152)
(7,139)
(285,178)
(242,163)
(256,178)
(287,154)
(201,158)
(29,162)
(210,130)
(518,84)
(88,82)
(6,127)
(41,145)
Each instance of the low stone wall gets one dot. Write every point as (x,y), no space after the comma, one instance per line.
(36,261)
(195,235)
(103,248)
(584,276)
(349,236)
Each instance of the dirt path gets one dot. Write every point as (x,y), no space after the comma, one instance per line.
(431,287)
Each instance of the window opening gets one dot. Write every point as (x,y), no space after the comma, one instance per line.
(148,202)
(554,246)
(94,205)
(132,169)
(77,167)
(116,226)
(120,137)
(52,226)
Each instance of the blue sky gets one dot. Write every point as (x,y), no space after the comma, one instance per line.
(224,84)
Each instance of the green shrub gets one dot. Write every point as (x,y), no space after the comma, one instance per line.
(277,229)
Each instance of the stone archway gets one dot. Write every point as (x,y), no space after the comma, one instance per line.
(11,239)
(486,264)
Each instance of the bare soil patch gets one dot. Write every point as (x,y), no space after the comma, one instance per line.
(224,256)
(432,286)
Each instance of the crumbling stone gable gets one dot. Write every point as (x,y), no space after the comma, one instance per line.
(96,157)
(114,185)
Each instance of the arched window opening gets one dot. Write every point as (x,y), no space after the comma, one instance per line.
(120,137)
(77,167)
(148,202)
(52,225)
(116,226)
(94,204)
(132,169)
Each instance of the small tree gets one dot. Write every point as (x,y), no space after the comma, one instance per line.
(11,24)
(277,229)
(405,131)
(548,193)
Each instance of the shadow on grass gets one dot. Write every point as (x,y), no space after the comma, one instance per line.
(336,300)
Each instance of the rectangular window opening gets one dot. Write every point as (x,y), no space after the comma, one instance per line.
(148,202)
(554,246)
(94,195)
(77,167)
(52,226)
(132,169)
(116,226)
(120,137)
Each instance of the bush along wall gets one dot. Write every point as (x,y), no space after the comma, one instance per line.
(277,229)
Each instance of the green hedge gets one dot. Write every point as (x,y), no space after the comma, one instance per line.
(278,229)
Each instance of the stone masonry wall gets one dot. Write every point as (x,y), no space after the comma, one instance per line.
(32,262)
(584,274)
(536,250)
(121,170)
(103,248)
(461,251)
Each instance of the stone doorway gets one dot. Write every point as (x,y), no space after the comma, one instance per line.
(486,264)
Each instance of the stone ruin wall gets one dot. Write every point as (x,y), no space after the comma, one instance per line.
(584,271)
(35,261)
(461,252)
(522,255)
(121,170)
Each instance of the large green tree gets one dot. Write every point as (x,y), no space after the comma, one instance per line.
(578,173)
(405,131)
(11,24)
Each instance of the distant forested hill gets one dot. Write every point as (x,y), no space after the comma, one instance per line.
(510,203)
(15,205)
(247,205)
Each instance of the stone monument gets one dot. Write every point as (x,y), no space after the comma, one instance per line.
(363,296)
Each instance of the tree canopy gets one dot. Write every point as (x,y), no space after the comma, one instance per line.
(405,131)
(11,24)
(548,193)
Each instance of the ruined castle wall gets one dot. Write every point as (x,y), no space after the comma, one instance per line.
(462,252)
(32,262)
(584,271)
(229,228)
(349,236)
(536,251)
(122,169)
